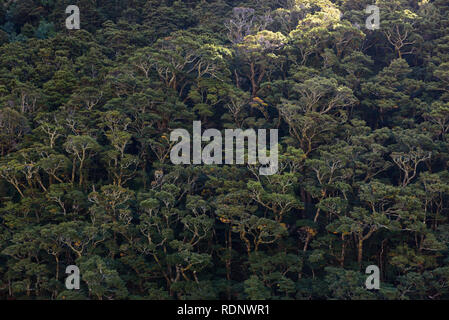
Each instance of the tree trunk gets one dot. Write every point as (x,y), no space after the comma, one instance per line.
(360,251)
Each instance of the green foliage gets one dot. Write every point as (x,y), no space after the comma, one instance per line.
(86,178)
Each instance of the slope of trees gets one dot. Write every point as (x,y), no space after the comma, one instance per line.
(86,178)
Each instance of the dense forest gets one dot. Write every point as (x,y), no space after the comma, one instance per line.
(85,171)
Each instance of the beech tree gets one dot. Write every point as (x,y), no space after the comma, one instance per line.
(86,177)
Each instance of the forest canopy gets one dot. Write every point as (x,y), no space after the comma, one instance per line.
(86,177)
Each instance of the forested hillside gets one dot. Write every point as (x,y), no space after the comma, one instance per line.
(85,171)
